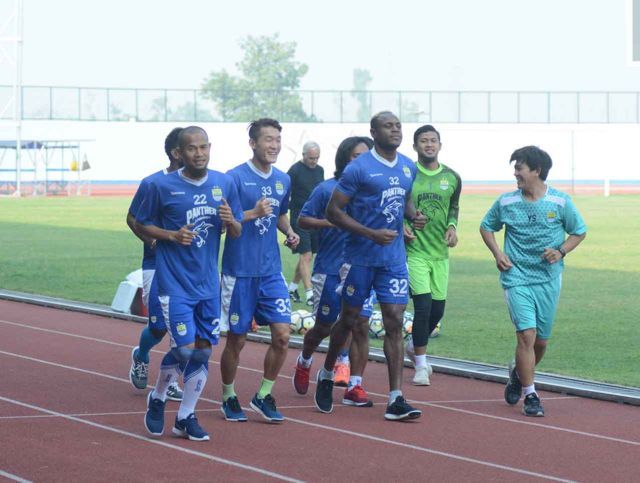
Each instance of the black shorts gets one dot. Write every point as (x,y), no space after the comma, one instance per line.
(308,238)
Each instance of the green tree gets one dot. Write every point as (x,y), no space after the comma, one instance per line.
(361,80)
(269,75)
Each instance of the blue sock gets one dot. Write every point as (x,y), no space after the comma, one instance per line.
(147,342)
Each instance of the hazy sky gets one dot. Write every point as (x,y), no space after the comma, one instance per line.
(405,44)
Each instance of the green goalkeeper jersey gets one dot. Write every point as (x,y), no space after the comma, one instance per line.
(437,195)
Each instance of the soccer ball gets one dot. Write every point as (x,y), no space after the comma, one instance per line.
(407,324)
(307,321)
(296,321)
(376,326)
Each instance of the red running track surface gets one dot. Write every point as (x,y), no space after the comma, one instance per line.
(69,413)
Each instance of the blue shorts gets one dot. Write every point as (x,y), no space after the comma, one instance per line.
(391,284)
(265,299)
(156,319)
(185,319)
(327,300)
(534,306)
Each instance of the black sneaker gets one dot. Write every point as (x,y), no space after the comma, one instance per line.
(324,394)
(295,296)
(513,389)
(532,406)
(400,410)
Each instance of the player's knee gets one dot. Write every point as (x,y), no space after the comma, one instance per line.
(280,341)
(158,333)
(182,354)
(201,356)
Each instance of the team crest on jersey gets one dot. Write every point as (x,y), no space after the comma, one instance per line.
(279,188)
(444,184)
(351,290)
(325,310)
(551,215)
(216,192)
(407,172)
(234,319)
(181,328)
(153,319)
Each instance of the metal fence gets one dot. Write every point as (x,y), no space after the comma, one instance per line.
(344,106)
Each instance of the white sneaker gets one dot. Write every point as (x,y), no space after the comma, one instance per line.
(421,377)
(410,352)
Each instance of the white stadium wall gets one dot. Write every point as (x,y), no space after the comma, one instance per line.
(479,152)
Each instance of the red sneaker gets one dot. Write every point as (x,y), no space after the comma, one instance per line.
(341,373)
(301,379)
(357,396)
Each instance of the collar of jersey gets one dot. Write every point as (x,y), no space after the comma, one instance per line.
(424,170)
(258,172)
(194,182)
(389,164)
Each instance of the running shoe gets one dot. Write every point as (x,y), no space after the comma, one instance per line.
(341,372)
(401,410)
(513,389)
(421,377)
(189,428)
(139,372)
(357,396)
(267,408)
(232,410)
(154,417)
(532,406)
(174,392)
(301,378)
(324,394)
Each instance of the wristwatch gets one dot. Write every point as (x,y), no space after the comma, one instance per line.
(562,252)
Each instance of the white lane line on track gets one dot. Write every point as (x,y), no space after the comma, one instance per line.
(13,477)
(384,396)
(313,425)
(116,413)
(225,461)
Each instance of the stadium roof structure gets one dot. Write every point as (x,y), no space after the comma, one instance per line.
(43,144)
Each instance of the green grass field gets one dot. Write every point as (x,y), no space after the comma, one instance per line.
(81,248)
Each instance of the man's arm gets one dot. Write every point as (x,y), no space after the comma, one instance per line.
(232,226)
(285,227)
(553,255)
(311,223)
(502,260)
(336,215)
(133,226)
(183,236)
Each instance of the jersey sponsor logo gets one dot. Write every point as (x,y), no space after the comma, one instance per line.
(428,196)
(391,193)
(373,175)
(199,211)
(392,211)
(202,230)
(279,188)
(406,171)
(444,184)
(249,183)
(264,223)
(181,328)
(176,193)
(234,319)
(216,192)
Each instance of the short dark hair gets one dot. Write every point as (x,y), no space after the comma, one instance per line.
(189,130)
(423,129)
(535,158)
(255,126)
(376,118)
(343,154)
(171,141)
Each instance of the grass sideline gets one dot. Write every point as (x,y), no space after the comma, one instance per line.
(81,248)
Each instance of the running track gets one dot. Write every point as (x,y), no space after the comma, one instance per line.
(68,413)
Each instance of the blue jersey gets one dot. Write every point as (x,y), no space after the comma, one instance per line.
(148,255)
(530,227)
(331,240)
(378,190)
(173,201)
(256,252)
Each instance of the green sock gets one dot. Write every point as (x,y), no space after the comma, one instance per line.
(228,391)
(265,388)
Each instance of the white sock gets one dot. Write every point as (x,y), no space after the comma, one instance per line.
(421,361)
(167,376)
(308,293)
(529,389)
(191,393)
(293,286)
(354,381)
(305,362)
(393,395)
(324,374)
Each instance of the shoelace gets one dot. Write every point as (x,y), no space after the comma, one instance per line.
(140,369)
(270,402)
